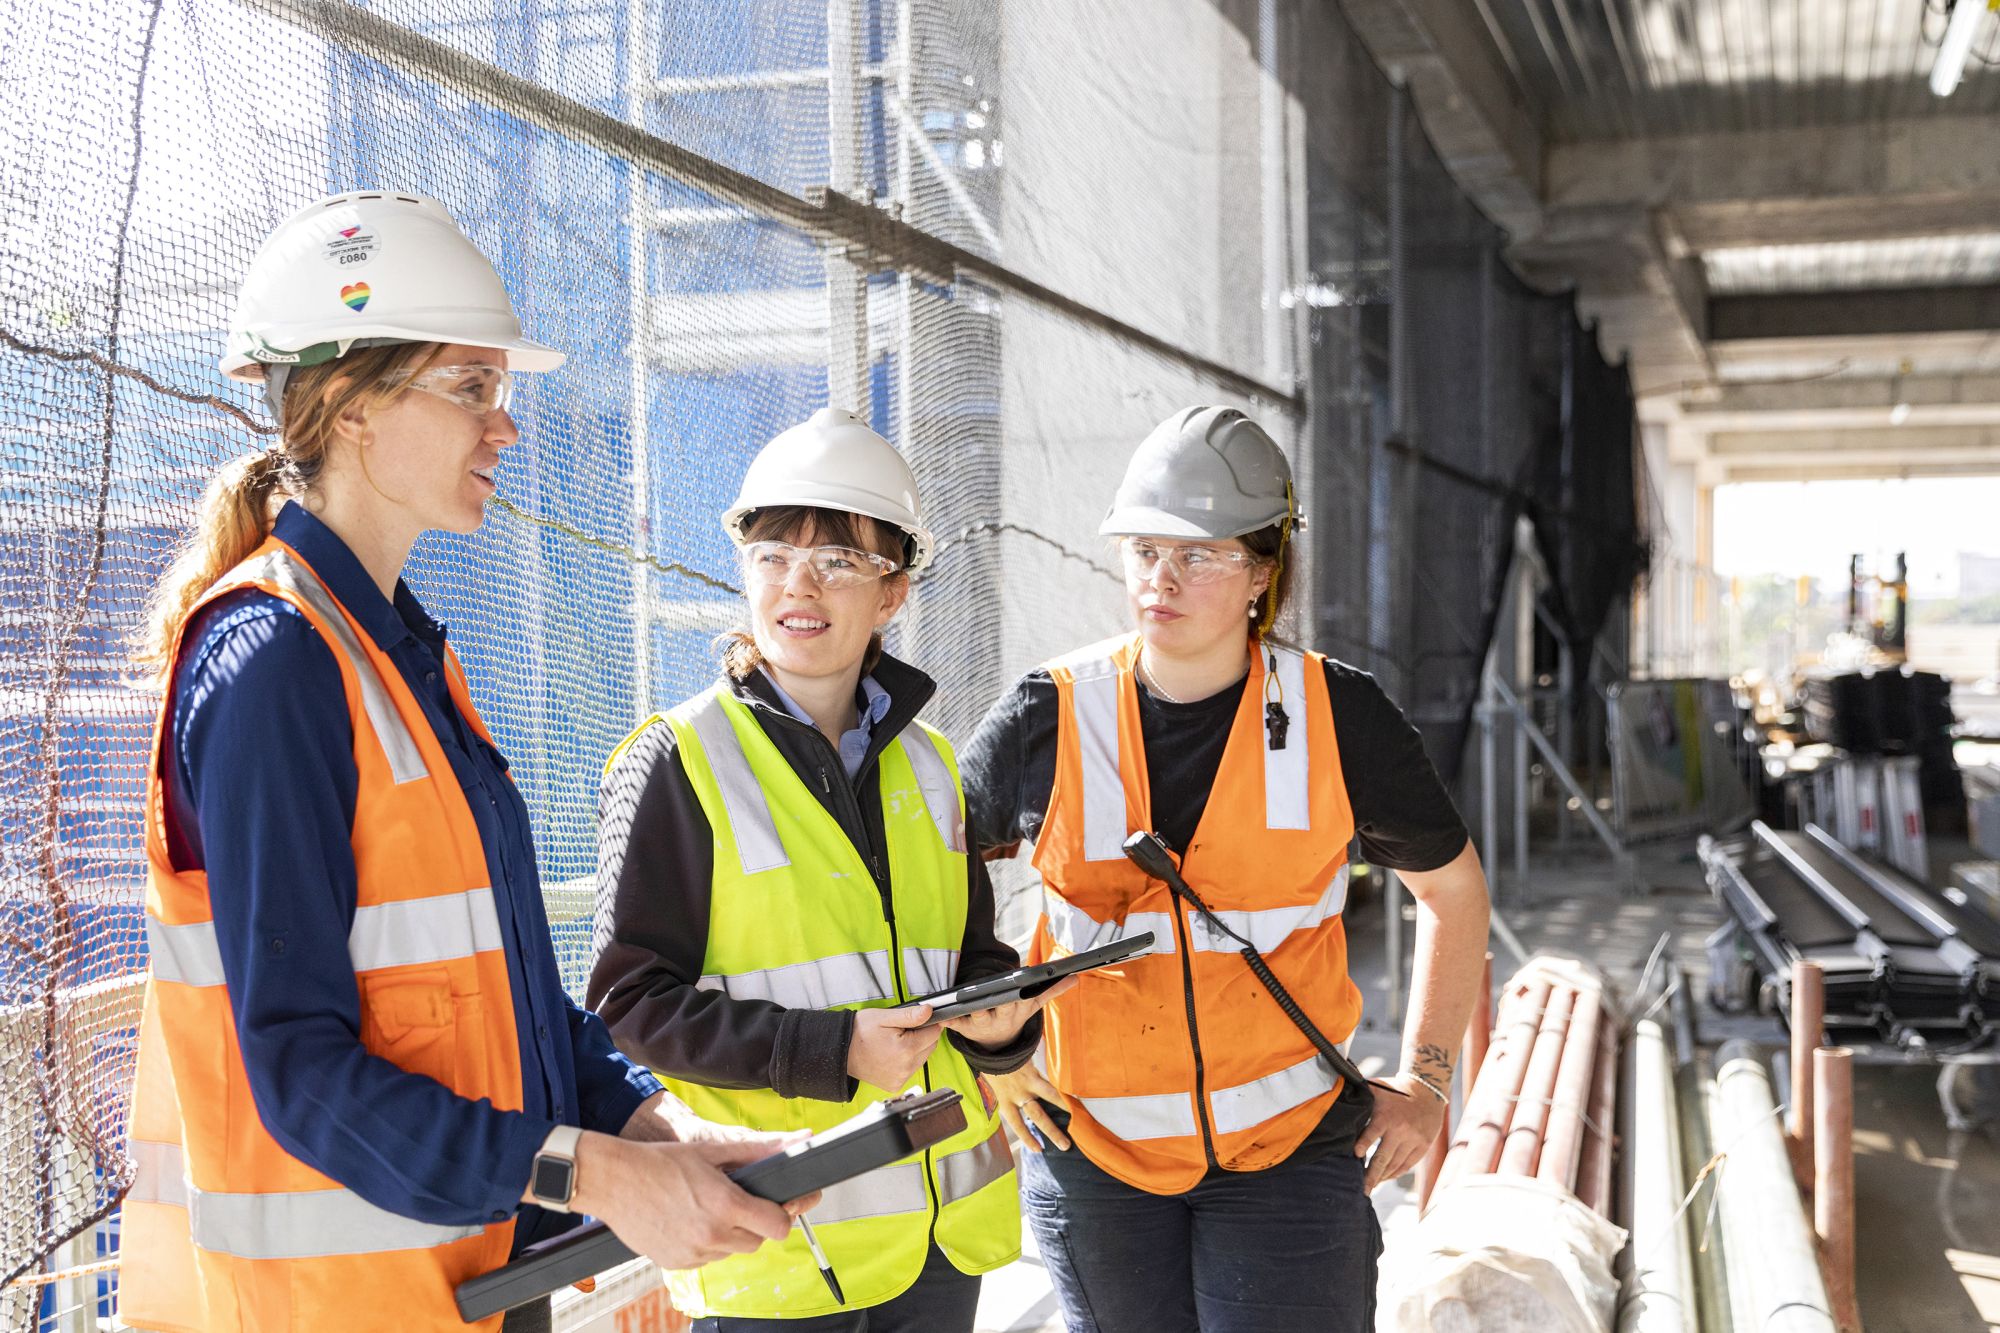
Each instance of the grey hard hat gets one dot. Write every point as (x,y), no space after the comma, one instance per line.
(1204,472)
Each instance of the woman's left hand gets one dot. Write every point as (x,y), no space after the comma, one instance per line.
(997,1027)
(1401,1130)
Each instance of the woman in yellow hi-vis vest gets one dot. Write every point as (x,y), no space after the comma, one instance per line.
(1215,1178)
(360,1081)
(782,863)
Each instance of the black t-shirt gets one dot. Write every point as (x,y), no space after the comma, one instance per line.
(1404,818)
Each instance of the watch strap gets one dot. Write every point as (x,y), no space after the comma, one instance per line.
(560,1146)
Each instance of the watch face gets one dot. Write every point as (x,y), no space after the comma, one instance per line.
(554,1178)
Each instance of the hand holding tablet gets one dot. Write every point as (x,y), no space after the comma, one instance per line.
(1028,983)
(886,1132)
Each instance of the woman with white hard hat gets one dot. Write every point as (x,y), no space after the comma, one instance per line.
(783,868)
(360,1081)
(1194,779)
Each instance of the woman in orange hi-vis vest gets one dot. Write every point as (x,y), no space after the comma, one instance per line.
(1210,1165)
(360,1081)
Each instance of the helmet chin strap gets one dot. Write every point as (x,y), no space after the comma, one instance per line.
(274,390)
(1285,526)
(1276,721)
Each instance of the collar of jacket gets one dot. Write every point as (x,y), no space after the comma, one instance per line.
(909,690)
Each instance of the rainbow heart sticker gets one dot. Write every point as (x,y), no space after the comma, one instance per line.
(356,295)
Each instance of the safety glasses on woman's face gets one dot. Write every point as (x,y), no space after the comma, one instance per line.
(1190,566)
(772,563)
(480,390)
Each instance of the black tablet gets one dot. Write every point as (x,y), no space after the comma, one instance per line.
(1025,983)
(886,1132)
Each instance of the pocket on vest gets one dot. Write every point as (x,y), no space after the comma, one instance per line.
(410,1019)
(469,1023)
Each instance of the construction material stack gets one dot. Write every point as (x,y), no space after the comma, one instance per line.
(1727,1216)
(1513,1232)
(1905,966)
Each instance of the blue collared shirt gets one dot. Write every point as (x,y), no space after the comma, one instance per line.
(872,707)
(261,793)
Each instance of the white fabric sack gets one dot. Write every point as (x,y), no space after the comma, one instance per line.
(1497,1254)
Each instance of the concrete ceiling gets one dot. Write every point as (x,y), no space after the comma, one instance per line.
(1759,201)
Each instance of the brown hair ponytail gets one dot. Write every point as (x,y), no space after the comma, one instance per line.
(243,498)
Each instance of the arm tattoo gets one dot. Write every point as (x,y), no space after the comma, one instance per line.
(1433,1061)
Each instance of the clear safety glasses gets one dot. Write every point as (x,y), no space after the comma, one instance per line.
(772,563)
(1189,566)
(480,390)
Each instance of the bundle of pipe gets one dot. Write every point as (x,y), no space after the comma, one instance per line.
(1542,1101)
(1656,1265)
(1769,1250)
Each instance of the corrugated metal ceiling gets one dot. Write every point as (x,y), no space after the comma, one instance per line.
(1926,261)
(1823,365)
(1594,69)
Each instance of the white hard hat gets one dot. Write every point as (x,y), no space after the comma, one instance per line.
(832,460)
(370,267)
(1204,472)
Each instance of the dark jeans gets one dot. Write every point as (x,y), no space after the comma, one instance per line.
(941,1300)
(1288,1250)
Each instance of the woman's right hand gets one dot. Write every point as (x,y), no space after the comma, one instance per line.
(1020,1097)
(890,1045)
(674,1202)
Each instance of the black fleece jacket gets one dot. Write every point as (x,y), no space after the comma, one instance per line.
(655,876)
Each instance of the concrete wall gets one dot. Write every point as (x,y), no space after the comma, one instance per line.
(1676,618)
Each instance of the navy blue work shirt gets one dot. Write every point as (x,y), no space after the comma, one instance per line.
(261,794)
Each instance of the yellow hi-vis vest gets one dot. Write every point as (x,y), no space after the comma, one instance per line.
(796,919)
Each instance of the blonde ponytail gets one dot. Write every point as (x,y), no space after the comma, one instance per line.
(243,499)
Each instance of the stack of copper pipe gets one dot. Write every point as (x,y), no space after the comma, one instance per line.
(1541,1100)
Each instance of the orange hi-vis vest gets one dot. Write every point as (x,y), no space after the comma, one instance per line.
(1180,1057)
(223,1229)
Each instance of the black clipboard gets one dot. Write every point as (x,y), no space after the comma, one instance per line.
(1025,983)
(886,1132)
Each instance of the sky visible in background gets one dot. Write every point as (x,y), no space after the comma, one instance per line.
(1812,528)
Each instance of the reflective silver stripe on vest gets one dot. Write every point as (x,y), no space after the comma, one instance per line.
(1096,696)
(186,954)
(1288,772)
(962,1174)
(934,780)
(757,843)
(406,761)
(314,1224)
(883,1192)
(1269,927)
(1160,1115)
(928,971)
(424,930)
(159,1173)
(1251,1104)
(1076,930)
(821,983)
